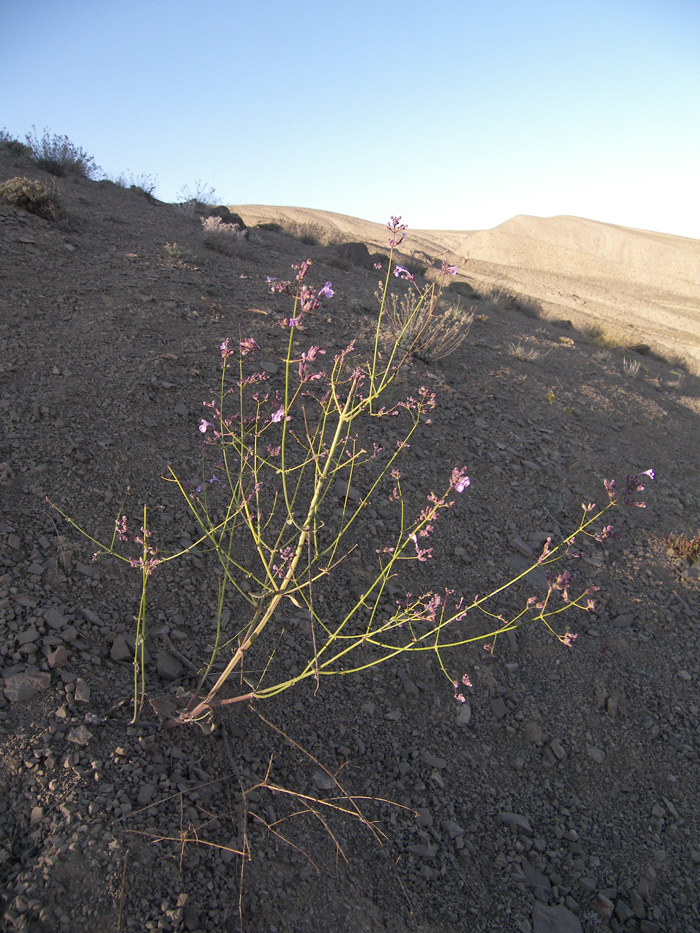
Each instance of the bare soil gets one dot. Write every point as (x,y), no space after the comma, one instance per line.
(562,796)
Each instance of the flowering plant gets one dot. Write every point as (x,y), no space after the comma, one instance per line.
(283,512)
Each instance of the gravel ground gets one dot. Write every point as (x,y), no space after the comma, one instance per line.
(561,796)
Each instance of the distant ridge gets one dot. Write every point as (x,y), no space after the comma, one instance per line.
(641,285)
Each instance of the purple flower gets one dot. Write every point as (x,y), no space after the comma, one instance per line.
(568,639)
(633,485)
(277,415)
(378,266)
(122,530)
(397,231)
(459,479)
(225,350)
(327,290)
(447,270)
(401,272)
(302,269)
(248,345)
(204,424)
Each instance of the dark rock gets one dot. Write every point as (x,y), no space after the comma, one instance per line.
(356,253)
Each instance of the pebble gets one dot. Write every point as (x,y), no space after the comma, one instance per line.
(167,666)
(522,823)
(82,691)
(54,619)
(554,919)
(25,685)
(58,657)
(79,735)
(597,754)
(432,760)
(120,651)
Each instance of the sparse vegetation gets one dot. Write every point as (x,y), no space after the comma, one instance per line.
(425,329)
(225,238)
(59,156)
(500,299)
(607,339)
(31,196)
(173,250)
(631,367)
(199,196)
(686,548)
(527,354)
(8,142)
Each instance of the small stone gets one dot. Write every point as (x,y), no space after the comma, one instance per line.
(516,819)
(464,714)
(120,650)
(80,735)
(28,635)
(146,792)
(82,691)
(623,911)
(684,675)
(432,760)
(536,880)
(25,685)
(554,919)
(58,657)
(54,619)
(499,708)
(452,828)
(36,815)
(425,817)
(556,747)
(409,687)
(516,542)
(168,667)
(637,905)
(532,732)
(323,781)
(602,905)
(597,754)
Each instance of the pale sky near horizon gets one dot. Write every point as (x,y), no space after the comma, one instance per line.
(455,114)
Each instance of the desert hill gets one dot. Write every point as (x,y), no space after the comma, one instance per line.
(559,797)
(640,285)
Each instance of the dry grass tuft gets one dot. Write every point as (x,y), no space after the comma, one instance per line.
(31,196)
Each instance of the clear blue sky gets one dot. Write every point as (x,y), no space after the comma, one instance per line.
(456,114)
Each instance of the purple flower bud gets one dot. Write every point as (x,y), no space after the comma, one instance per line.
(459,479)
(401,272)
(248,345)
(225,350)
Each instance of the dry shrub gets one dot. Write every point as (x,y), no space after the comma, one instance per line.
(424,329)
(228,239)
(59,156)
(31,196)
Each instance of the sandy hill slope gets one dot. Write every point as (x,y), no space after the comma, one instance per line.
(640,285)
